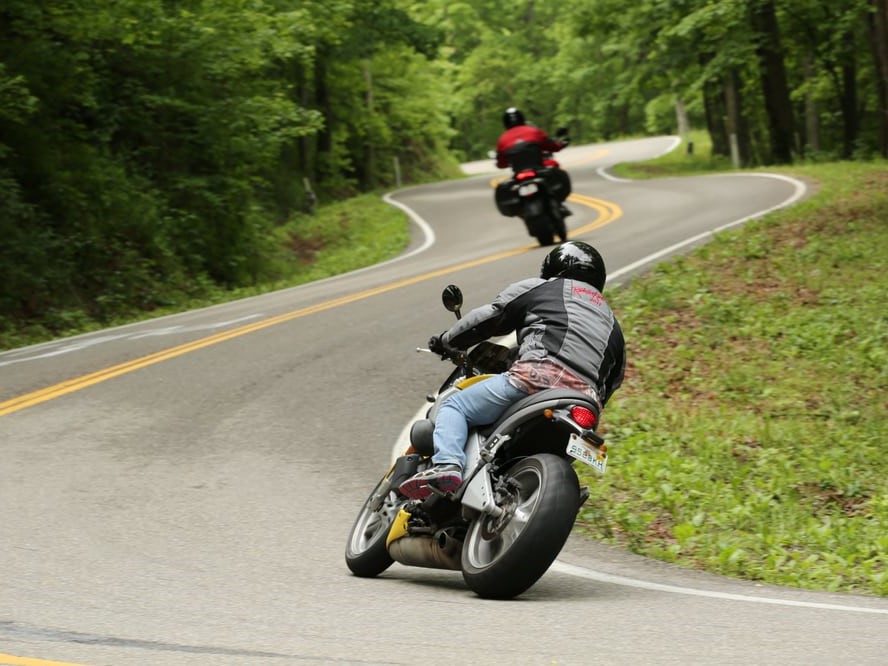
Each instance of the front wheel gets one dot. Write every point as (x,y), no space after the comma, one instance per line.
(503,556)
(365,553)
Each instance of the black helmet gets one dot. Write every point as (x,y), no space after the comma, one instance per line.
(512,118)
(577,260)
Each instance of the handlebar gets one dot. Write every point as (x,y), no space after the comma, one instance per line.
(457,356)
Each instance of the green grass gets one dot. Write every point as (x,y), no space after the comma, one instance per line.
(749,438)
(679,162)
(342,237)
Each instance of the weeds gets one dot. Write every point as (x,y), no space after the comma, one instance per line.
(749,437)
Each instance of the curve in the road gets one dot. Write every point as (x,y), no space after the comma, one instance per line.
(607,213)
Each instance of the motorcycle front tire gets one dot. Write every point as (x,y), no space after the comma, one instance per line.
(503,557)
(365,553)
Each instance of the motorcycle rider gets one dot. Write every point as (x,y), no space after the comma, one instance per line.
(518,131)
(568,337)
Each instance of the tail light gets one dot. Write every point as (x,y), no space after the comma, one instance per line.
(524,175)
(584,416)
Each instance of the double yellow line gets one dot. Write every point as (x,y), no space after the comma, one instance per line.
(607,213)
(10,660)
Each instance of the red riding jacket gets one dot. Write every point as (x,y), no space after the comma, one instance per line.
(523,133)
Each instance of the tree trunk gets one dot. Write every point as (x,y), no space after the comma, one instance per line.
(735,122)
(714,113)
(681,117)
(322,99)
(369,157)
(879,39)
(812,113)
(850,120)
(732,120)
(774,85)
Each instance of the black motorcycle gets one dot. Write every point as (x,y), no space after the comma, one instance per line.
(536,191)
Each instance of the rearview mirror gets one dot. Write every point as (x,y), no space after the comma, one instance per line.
(452,298)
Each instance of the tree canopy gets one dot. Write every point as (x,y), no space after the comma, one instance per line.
(159,142)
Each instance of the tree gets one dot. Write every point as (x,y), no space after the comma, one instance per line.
(878,25)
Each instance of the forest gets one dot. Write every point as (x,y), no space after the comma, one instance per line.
(150,149)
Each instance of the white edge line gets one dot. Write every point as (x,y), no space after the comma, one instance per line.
(798,193)
(581,572)
(424,227)
(604,173)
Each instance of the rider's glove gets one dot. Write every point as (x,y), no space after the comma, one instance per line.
(436,344)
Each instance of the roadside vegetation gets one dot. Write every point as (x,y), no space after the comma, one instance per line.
(749,436)
(337,238)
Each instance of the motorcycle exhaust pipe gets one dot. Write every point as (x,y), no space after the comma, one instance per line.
(440,551)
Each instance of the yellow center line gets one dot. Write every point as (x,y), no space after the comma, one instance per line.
(607,213)
(9,660)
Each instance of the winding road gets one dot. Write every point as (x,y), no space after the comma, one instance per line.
(179,491)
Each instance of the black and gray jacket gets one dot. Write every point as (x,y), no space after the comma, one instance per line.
(561,319)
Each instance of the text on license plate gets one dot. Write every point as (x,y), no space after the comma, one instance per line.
(528,189)
(593,457)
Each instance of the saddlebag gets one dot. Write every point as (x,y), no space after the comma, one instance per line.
(559,184)
(508,202)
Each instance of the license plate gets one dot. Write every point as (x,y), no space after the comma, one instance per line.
(527,190)
(595,458)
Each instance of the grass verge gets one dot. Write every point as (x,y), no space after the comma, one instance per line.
(749,438)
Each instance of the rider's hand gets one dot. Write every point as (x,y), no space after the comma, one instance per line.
(436,344)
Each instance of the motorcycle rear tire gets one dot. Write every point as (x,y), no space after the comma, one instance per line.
(501,560)
(561,229)
(541,229)
(365,553)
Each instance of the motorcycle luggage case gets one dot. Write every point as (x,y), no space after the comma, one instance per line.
(559,183)
(508,202)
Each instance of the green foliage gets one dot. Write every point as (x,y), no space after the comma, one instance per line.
(149,149)
(748,437)
(337,238)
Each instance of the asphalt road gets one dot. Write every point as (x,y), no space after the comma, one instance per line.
(179,491)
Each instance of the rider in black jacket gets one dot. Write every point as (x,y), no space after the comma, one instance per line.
(567,336)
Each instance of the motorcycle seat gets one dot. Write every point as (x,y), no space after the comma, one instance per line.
(558,397)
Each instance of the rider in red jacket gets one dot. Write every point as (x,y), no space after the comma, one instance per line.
(518,131)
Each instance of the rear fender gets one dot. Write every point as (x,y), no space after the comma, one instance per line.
(530,408)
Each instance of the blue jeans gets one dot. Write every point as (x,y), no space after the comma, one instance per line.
(479,404)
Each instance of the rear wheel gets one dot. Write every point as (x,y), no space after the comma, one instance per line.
(541,229)
(503,556)
(559,226)
(365,553)
(561,229)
